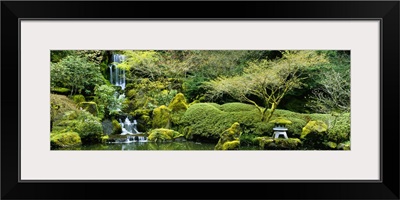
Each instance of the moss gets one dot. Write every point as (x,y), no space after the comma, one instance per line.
(91,107)
(85,124)
(344,146)
(331,145)
(317,127)
(131,93)
(161,117)
(104,139)
(230,138)
(163,135)
(62,91)
(117,129)
(78,98)
(279,143)
(281,121)
(237,107)
(65,139)
(206,120)
(178,103)
(232,145)
(59,105)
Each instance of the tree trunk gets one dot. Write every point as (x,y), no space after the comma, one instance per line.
(273,107)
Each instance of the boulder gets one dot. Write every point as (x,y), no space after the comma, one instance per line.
(65,139)
(161,117)
(90,107)
(164,135)
(230,138)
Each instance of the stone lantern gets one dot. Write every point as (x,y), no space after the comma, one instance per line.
(280,127)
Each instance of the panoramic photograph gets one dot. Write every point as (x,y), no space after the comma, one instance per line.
(212,100)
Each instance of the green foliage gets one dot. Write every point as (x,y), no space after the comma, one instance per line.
(163,134)
(340,130)
(230,138)
(65,139)
(75,73)
(269,143)
(60,104)
(91,107)
(117,129)
(82,122)
(178,103)
(144,120)
(162,117)
(315,135)
(165,97)
(280,121)
(269,80)
(78,98)
(58,90)
(108,100)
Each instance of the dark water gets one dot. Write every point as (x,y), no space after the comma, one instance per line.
(152,146)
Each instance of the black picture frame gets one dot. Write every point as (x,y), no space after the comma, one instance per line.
(386,11)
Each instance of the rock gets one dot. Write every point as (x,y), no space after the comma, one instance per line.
(116,127)
(316,127)
(162,117)
(107,127)
(230,138)
(65,139)
(163,135)
(90,107)
(178,103)
(269,143)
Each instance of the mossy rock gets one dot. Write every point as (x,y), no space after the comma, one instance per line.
(61,91)
(161,117)
(59,105)
(344,146)
(78,98)
(316,127)
(331,144)
(90,107)
(104,139)
(178,107)
(163,135)
(230,138)
(66,139)
(116,127)
(269,143)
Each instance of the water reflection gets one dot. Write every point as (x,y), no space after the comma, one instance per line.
(139,146)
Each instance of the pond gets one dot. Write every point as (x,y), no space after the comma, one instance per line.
(135,146)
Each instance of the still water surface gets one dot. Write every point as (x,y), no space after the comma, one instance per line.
(152,146)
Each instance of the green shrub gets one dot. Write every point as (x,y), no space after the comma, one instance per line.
(236,107)
(82,122)
(65,139)
(340,130)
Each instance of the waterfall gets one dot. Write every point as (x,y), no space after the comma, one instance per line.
(128,128)
(116,77)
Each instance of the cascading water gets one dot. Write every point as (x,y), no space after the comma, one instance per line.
(117,76)
(128,127)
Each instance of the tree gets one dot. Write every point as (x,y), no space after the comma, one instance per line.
(107,97)
(75,73)
(269,80)
(333,95)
